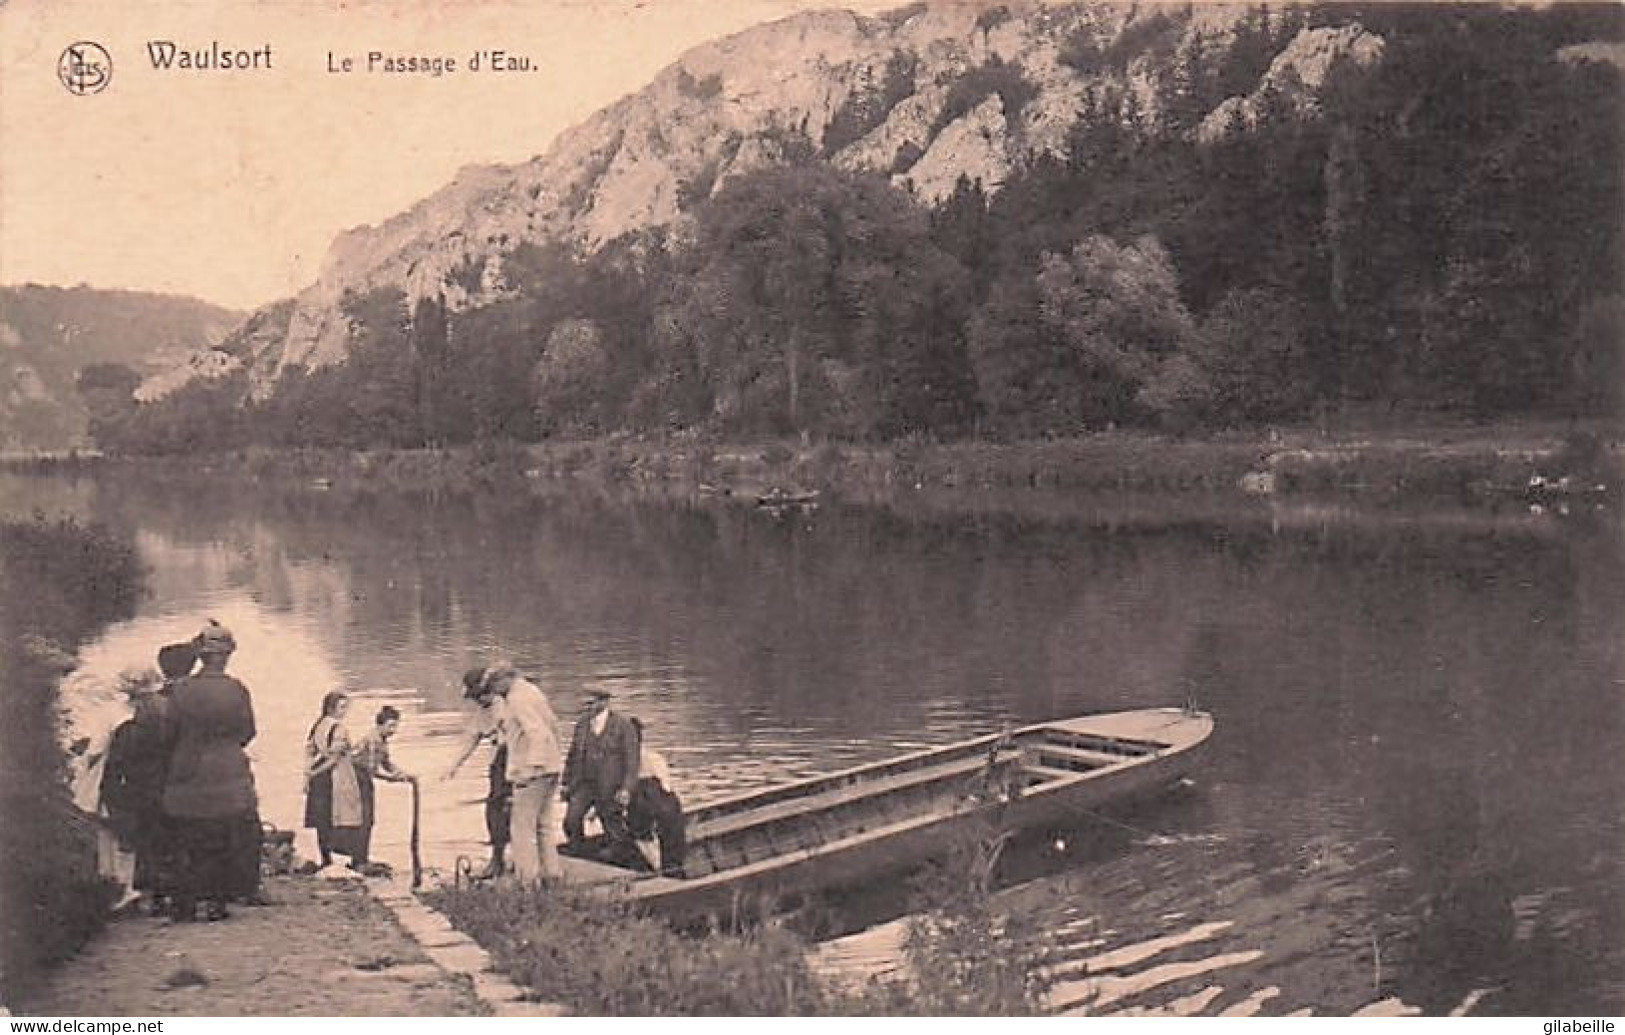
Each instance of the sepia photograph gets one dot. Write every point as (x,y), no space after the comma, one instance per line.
(811,509)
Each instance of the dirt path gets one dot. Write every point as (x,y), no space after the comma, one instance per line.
(325,948)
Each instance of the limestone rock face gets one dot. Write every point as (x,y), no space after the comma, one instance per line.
(738,104)
(1296,76)
(205,365)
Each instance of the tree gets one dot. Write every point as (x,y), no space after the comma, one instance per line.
(432,353)
(1253,357)
(570,376)
(108,391)
(1117,307)
(960,226)
(815,300)
(379,380)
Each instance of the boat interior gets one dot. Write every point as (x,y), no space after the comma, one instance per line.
(809,814)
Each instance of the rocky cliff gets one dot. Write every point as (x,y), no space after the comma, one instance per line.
(925,94)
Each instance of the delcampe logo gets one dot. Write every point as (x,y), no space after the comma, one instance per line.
(85,68)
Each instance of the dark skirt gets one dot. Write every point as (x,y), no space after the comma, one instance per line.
(355,842)
(153,844)
(319,801)
(215,858)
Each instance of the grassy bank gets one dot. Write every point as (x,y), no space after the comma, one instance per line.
(64,582)
(962,958)
(1461,463)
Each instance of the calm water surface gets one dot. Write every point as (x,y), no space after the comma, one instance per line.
(1416,789)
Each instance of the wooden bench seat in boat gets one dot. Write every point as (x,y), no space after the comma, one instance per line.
(1076,759)
(965,768)
(1046,773)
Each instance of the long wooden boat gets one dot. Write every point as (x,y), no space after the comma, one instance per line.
(860,823)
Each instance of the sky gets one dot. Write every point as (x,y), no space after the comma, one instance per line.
(228,185)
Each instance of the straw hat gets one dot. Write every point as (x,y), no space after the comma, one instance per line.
(138,682)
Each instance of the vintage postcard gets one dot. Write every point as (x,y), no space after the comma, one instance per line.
(811,508)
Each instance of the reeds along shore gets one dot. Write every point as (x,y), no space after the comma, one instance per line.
(1471,464)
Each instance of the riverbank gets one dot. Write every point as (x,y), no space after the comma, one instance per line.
(80,579)
(958,956)
(1533,462)
(323,949)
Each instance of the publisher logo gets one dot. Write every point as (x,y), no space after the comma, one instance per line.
(85,68)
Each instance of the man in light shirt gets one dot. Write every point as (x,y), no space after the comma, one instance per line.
(526,725)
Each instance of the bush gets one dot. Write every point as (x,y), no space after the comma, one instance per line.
(79,579)
(633,966)
(963,956)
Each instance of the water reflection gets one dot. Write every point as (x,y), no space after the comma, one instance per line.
(1415,784)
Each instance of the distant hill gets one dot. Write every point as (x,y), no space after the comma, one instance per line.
(49,334)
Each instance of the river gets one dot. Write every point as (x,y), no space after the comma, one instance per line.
(1415,792)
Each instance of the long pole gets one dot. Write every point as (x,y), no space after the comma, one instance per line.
(417,862)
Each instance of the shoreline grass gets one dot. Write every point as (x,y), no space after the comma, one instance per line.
(1458,464)
(598,957)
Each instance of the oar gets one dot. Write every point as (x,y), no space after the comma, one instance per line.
(417,861)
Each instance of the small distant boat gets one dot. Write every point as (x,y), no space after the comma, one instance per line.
(1541,488)
(861,823)
(783,498)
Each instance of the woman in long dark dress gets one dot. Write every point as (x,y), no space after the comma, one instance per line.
(333,802)
(209,797)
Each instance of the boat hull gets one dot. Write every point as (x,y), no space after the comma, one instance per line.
(1168,744)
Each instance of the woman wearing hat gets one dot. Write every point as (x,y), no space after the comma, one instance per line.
(209,798)
(132,786)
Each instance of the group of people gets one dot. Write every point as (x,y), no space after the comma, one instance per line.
(179,798)
(176,785)
(607,772)
(340,795)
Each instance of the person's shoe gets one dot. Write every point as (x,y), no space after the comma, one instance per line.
(215,911)
(493,869)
